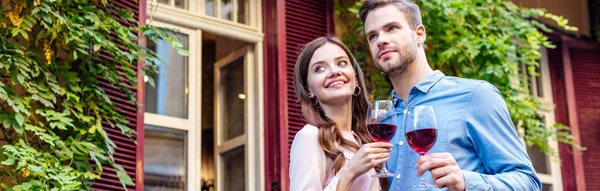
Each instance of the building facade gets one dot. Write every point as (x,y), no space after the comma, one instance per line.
(224,117)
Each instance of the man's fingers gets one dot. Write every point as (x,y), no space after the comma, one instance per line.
(450,180)
(428,157)
(433,163)
(441,172)
(434,155)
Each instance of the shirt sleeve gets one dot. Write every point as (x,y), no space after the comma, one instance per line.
(491,130)
(308,163)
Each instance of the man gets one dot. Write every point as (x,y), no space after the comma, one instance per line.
(477,146)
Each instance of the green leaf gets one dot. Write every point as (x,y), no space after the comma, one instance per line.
(124,178)
(96,47)
(20,119)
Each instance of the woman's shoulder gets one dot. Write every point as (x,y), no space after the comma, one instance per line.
(306,142)
(307,132)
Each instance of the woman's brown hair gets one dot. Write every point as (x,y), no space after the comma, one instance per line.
(330,138)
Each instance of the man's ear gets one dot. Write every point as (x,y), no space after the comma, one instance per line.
(421,36)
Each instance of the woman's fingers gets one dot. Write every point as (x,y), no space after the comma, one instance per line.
(379,145)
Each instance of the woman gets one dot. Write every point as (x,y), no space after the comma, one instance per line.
(334,150)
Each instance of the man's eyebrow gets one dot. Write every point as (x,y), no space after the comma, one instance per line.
(392,23)
(385,26)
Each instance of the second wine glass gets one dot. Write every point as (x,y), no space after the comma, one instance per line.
(420,127)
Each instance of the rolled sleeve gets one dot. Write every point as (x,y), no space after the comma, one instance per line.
(474,181)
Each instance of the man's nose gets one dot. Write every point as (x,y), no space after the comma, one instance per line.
(382,40)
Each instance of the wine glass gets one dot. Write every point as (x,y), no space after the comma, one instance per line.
(380,130)
(421,133)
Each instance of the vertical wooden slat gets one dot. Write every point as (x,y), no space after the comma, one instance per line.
(141,99)
(572,108)
(274,93)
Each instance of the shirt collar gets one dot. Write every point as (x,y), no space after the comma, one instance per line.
(426,84)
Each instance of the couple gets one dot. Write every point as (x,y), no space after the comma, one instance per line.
(477,147)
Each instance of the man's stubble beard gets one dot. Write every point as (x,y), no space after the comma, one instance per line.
(406,56)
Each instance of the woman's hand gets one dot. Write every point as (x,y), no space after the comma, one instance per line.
(368,156)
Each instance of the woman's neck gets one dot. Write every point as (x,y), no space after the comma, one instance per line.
(341,114)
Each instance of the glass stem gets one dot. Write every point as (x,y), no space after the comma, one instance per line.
(423,183)
(383,168)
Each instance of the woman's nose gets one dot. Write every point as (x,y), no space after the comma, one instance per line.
(335,72)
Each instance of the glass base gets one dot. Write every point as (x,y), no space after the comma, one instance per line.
(424,186)
(386,174)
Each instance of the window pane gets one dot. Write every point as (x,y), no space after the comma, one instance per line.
(226,9)
(233,99)
(234,168)
(547,187)
(165,166)
(539,83)
(242,16)
(209,8)
(539,159)
(181,4)
(170,95)
(166,2)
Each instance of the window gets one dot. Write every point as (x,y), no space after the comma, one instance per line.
(169,96)
(231,123)
(165,167)
(539,86)
(231,10)
(182,4)
(241,12)
(204,115)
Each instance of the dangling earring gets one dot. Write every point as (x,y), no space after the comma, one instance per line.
(313,99)
(359,90)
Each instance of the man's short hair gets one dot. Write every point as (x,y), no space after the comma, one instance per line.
(410,9)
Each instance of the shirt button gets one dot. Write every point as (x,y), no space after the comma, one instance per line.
(401,143)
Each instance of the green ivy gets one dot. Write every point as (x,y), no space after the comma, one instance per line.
(478,39)
(51,102)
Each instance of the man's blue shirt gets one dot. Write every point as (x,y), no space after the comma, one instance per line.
(474,126)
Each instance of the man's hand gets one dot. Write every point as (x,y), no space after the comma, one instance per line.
(444,170)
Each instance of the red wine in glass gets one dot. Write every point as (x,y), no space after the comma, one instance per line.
(382,132)
(421,140)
